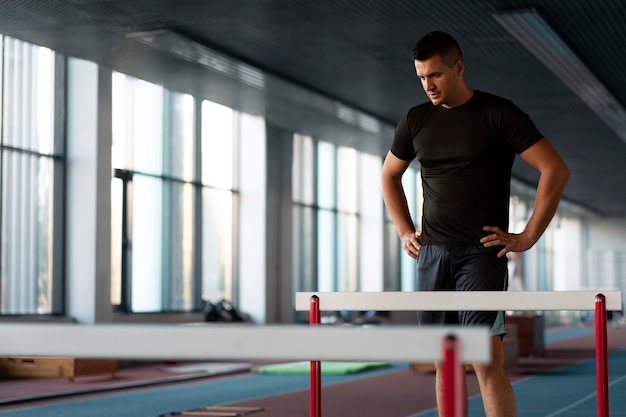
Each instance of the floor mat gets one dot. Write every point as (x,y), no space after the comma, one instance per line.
(328,368)
(210,368)
(217,411)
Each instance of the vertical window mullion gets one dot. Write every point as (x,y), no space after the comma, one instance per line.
(198,206)
(167,204)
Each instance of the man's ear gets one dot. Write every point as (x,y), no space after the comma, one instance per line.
(459,67)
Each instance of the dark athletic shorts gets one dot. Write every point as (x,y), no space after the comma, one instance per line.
(462,268)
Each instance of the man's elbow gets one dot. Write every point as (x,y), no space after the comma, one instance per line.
(561,177)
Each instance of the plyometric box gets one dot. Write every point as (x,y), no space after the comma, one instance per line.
(56,367)
(530,333)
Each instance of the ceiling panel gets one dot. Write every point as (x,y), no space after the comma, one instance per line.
(353,58)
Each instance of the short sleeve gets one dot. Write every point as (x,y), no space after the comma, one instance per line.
(521,131)
(402,146)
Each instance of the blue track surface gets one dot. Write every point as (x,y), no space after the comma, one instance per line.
(560,335)
(569,391)
(155,402)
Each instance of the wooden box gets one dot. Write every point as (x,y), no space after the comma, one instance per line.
(511,347)
(55,367)
(530,330)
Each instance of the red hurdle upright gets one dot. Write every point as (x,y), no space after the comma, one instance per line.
(315,391)
(453,378)
(602,368)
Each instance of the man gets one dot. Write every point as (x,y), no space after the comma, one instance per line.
(466,141)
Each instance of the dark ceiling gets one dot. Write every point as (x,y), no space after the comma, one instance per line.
(356,55)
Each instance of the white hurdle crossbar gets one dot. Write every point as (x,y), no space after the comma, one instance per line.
(600,301)
(197,342)
(460,300)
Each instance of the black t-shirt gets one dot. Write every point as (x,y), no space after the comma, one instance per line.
(466,155)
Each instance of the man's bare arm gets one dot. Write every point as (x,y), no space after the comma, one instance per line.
(552,181)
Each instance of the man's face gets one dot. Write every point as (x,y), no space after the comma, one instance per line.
(440,80)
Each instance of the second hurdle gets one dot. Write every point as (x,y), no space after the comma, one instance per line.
(598,301)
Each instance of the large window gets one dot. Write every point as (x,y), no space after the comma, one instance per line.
(304,215)
(31,166)
(219,164)
(170,208)
(337,218)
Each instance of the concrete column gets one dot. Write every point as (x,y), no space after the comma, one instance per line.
(88,197)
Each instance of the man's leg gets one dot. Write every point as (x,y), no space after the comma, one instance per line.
(495,387)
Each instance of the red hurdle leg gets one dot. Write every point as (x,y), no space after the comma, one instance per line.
(602,368)
(315,389)
(453,391)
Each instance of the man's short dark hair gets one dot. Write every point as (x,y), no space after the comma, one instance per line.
(437,43)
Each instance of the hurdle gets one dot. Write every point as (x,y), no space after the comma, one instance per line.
(277,342)
(600,302)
